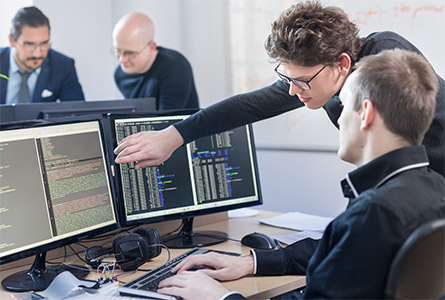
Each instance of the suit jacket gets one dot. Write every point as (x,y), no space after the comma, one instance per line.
(58,78)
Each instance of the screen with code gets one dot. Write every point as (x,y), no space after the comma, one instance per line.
(218,171)
(54,184)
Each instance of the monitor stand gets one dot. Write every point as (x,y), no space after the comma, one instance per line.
(187,238)
(39,277)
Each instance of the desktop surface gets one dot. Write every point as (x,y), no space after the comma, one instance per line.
(252,287)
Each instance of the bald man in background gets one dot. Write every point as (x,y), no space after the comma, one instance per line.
(146,70)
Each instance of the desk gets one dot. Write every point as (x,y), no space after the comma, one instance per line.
(253,287)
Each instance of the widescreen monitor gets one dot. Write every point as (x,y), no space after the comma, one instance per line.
(212,174)
(48,110)
(55,189)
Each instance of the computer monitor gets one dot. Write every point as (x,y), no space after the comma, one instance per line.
(48,110)
(212,174)
(6,113)
(55,190)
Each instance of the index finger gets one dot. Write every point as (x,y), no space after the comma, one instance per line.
(126,141)
(193,260)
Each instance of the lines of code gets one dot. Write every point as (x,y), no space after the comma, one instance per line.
(23,205)
(76,181)
(154,188)
(222,166)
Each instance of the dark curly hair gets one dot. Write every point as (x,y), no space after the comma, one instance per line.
(309,34)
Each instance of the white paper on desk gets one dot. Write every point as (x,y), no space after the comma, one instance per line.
(298,236)
(242,213)
(298,221)
(62,285)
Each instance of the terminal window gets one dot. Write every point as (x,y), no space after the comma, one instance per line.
(213,171)
(53,184)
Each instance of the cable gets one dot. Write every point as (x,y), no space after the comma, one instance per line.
(77,254)
(179,228)
(77,267)
(58,263)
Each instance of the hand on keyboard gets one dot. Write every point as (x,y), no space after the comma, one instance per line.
(222,267)
(192,285)
(147,284)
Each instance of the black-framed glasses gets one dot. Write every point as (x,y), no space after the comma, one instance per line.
(302,84)
(128,54)
(31,47)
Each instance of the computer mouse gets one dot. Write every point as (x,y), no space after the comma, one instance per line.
(258,240)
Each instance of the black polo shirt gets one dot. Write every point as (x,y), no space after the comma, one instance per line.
(388,198)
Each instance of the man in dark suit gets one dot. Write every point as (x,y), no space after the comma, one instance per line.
(36,72)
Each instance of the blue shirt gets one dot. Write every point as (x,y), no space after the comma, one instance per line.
(57,79)
(15,80)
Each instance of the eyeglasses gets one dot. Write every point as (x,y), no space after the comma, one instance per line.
(302,84)
(128,54)
(31,47)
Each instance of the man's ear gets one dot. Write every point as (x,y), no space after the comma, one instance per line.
(345,64)
(367,114)
(11,41)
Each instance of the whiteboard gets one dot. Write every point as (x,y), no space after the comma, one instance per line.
(421,22)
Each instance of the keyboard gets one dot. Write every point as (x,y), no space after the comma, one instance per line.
(146,285)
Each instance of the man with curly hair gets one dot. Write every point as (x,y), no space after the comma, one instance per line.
(315,48)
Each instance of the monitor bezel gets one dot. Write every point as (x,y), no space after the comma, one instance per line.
(81,236)
(180,215)
(51,110)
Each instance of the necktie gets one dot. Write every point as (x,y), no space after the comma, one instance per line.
(23,96)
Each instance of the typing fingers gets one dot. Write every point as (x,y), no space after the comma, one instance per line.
(194,260)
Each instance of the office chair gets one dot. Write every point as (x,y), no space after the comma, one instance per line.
(418,268)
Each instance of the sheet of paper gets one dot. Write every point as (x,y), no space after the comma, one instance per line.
(62,285)
(298,221)
(242,213)
(298,236)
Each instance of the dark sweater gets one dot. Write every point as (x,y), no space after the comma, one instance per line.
(169,80)
(275,99)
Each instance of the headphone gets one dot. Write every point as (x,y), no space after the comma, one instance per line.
(131,250)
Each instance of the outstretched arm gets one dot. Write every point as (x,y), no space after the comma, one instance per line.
(153,148)
(239,110)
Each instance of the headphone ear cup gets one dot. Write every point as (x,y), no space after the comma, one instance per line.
(131,251)
(152,237)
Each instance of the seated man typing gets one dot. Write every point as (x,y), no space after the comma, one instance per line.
(388,104)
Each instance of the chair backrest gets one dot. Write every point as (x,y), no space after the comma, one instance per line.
(418,269)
